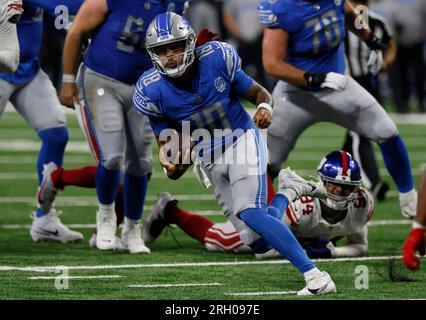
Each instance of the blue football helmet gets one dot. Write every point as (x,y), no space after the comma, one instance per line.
(340,168)
(166,29)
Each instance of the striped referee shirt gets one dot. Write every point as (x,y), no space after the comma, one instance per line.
(357,52)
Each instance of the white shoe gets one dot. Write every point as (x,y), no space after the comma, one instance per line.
(50,227)
(47,192)
(92,242)
(293,186)
(106,225)
(318,285)
(408,203)
(131,238)
(155,223)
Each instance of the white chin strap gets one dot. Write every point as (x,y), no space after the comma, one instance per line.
(179,70)
(336,205)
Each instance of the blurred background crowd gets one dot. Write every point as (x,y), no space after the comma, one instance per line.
(400,86)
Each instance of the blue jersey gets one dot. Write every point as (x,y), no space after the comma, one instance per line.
(316,32)
(213,102)
(30,36)
(117,50)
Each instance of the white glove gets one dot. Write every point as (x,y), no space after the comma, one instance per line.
(200,174)
(335,81)
(375,61)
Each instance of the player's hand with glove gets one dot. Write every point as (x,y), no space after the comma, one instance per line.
(263,116)
(318,249)
(415,242)
(331,80)
(375,59)
(14,9)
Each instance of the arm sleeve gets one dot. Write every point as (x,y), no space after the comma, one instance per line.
(146,106)
(356,246)
(9,47)
(275,15)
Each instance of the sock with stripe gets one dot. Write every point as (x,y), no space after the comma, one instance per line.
(53,142)
(194,225)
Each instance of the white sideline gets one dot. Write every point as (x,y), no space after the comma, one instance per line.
(185,264)
(203,213)
(259,293)
(76,277)
(172,285)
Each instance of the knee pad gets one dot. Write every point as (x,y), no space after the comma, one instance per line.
(140,168)
(113,163)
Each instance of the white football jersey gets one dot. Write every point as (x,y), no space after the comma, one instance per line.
(305,220)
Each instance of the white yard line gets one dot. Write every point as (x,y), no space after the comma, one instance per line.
(174,285)
(240,294)
(76,277)
(185,264)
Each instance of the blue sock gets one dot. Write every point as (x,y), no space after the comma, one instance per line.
(107,182)
(397,161)
(279,236)
(134,190)
(277,206)
(53,142)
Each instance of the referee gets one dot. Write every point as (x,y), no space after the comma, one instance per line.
(357,54)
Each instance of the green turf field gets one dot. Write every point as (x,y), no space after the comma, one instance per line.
(181,269)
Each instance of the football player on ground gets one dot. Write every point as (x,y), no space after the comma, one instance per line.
(199,90)
(416,239)
(10,12)
(33,96)
(316,223)
(303,48)
(117,134)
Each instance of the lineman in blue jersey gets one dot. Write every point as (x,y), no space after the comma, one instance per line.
(303,47)
(33,96)
(196,92)
(117,135)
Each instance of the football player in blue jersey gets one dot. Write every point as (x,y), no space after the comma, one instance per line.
(195,92)
(33,96)
(117,134)
(303,48)
(10,12)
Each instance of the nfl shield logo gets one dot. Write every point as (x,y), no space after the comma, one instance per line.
(220,84)
(338,2)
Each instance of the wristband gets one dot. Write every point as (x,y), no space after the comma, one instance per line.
(417,225)
(314,79)
(68,78)
(266,106)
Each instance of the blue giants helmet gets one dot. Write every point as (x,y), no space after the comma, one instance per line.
(340,168)
(165,29)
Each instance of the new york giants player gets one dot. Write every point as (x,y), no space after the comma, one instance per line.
(10,12)
(33,96)
(117,134)
(200,88)
(316,223)
(303,47)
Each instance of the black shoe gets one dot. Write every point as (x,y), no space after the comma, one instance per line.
(380,190)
